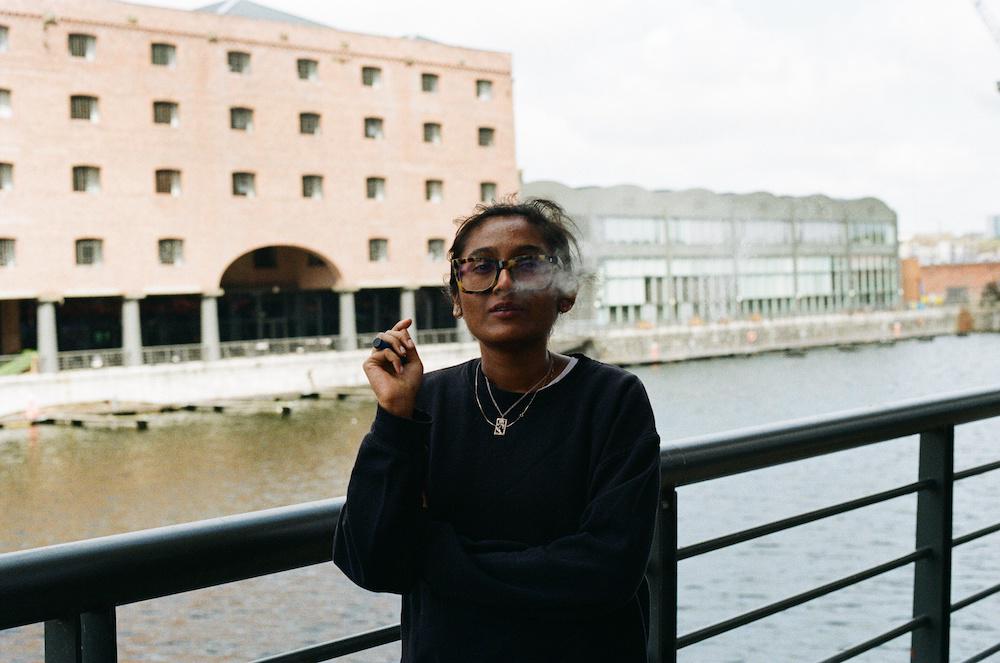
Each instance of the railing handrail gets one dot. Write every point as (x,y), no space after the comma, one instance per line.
(48,583)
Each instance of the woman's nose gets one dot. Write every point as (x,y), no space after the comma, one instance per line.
(504,282)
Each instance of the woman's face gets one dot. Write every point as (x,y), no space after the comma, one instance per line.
(508,315)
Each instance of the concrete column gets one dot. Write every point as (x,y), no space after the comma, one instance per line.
(348,326)
(408,308)
(464,335)
(48,343)
(210,326)
(131,331)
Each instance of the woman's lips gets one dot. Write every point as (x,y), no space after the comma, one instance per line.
(505,310)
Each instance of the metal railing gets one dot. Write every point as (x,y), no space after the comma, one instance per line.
(171,354)
(69,361)
(75,587)
(279,346)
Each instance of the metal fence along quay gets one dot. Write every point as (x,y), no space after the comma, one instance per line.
(75,588)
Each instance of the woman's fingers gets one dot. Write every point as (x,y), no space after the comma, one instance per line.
(396,340)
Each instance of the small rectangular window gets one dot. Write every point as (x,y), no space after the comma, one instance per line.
(435,249)
(432,132)
(164,55)
(371,76)
(378,250)
(484,89)
(89,251)
(241,119)
(373,127)
(312,186)
(434,190)
(375,188)
(486,135)
(165,112)
(3,38)
(309,123)
(487,192)
(86,179)
(6,252)
(239,62)
(308,69)
(171,251)
(429,82)
(6,176)
(266,258)
(82,46)
(168,181)
(5,107)
(83,107)
(244,185)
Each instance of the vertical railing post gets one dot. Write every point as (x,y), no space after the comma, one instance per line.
(86,638)
(932,574)
(663,577)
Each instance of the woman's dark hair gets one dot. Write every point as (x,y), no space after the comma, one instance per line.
(558,230)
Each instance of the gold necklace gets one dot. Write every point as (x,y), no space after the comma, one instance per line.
(501,424)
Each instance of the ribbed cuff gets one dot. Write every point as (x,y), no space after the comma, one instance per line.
(406,434)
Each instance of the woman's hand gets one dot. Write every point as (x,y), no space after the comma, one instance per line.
(395,373)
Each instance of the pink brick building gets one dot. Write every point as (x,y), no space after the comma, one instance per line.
(177,177)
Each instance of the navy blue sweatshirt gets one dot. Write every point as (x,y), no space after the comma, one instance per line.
(528,547)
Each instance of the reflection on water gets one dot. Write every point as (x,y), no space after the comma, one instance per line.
(59,484)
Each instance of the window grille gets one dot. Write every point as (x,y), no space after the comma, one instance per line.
(83,107)
(5,108)
(432,132)
(3,38)
(241,119)
(429,82)
(6,176)
(371,76)
(82,46)
(434,190)
(168,181)
(86,179)
(375,188)
(487,192)
(308,69)
(165,112)
(484,89)
(89,251)
(378,250)
(239,62)
(486,135)
(435,249)
(171,251)
(244,185)
(373,127)
(309,123)
(6,252)
(312,186)
(164,55)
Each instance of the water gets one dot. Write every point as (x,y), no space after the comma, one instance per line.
(67,484)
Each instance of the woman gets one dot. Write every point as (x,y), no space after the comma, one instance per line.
(509,499)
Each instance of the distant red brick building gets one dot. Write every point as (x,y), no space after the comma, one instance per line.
(956,283)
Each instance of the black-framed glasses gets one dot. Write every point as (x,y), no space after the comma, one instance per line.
(531,272)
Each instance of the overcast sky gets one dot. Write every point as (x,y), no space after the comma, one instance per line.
(888,98)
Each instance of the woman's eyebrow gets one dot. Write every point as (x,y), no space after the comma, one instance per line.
(518,251)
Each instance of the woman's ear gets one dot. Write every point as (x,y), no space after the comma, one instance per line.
(456,310)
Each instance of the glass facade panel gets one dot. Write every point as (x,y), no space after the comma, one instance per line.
(634,230)
(822,232)
(704,232)
(765,231)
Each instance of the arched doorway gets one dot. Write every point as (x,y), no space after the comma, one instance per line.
(278,292)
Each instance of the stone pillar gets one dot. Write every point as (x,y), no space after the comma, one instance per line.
(464,335)
(348,326)
(210,326)
(131,331)
(48,343)
(408,308)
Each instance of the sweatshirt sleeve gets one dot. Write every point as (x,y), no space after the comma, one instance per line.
(595,569)
(381,522)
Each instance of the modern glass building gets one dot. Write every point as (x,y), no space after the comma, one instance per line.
(674,256)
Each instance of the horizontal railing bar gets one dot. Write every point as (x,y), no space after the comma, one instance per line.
(972,536)
(792,601)
(723,454)
(794,521)
(978,596)
(878,640)
(337,648)
(70,578)
(979,469)
(983,655)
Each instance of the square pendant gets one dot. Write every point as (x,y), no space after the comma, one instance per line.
(500,428)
